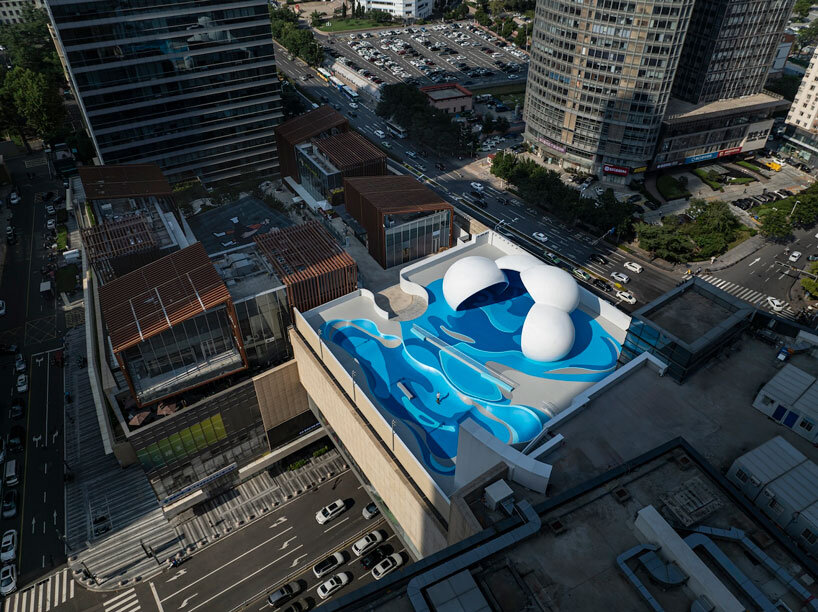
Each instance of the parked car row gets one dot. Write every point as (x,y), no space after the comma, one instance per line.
(764,198)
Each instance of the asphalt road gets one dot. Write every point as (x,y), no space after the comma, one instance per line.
(36,326)
(243,568)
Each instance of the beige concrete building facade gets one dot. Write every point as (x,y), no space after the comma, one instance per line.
(804,110)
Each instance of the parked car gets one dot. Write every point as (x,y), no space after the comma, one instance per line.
(812,257)
(50,224)
(8,546)
(620,277)
(634,198)
(625,296)
(775,304)
(8,580)
(599,191)
(333,584)
(597,258)
(328,564)
(602,285)
(391,563)
(16,410)
(19,363)
(795,256)
(2,308)
(22,383)
(50,210)
(329,512)
(302,605)
(370,511)
(17,439)
(540,236)
(14,198)
(10,503)
(367,542)
(282,595)
(373,558)
(633,266)
(8,349)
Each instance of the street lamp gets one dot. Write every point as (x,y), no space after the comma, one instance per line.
(797,202)
(393,435)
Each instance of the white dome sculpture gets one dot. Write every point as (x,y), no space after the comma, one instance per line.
(469,276)
(551,286)
(517,262)
(548,333)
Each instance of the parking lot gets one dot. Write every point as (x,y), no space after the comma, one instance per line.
(430,54)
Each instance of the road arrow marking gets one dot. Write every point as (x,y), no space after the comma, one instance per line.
(33,524)
(297,560)
(287,543)
(279,520)
(187,599)
(177,575)
(755,261)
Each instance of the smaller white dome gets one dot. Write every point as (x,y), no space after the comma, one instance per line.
(469,276)
(518,262)
(551,286)
(548,333)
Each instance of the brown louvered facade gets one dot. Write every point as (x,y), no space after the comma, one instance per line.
(309,262)
(353,154)
(372,198)
(322,121)
(123,181)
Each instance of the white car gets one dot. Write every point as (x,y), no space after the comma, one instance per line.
(19,363)
(8,580)
(626,297)
(599,190)
(8,548)
(776,305)
(324,567)
(50,210)
(22,383)
(370,511)
(391,563)
(327,513)
(2,308)
(353,105)
(620,277)
(333,584)
(633,266)
(795,256)
(477,186)
(366,543)
(50,224)
(540,236)
(14,198)
(380,133)
(385,144)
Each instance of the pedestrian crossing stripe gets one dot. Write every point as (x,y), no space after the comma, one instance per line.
(756,298)
(43,596)
(127,601)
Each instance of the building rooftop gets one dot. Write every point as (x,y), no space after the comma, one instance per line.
(158,296)
(445,91)
(125,181)
(349,149)
(245,272)
(394,194)
(118,247)
(303,127)
(679,111)
(235,225)
(427,370)
(588,549)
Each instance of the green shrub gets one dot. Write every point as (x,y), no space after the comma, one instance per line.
(670,188)
(320,451)
(707,177)
(297,464)
(749,166)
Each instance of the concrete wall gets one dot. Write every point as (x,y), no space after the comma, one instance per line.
(653,529)
(462,522)
(280,394)
(357,426)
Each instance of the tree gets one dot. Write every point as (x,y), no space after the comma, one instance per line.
(809,284)
(28,44)
(775,224)
(665,242)
(521,39)
(10,118)
(809,35)
(344,10)
(316,17)
(802,8)
(36,100)
(503,164)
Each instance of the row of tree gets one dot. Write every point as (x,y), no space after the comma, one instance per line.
(800,210)
(544,188)
(425,125)
(298,41)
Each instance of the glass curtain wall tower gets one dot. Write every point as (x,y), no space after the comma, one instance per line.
(189,85)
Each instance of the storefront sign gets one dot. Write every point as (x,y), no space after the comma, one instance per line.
(639,170)
(551,145)
(618,170)
(726,152)
(704,156)
(669,164)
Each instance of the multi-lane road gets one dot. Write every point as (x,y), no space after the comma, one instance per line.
(36,325)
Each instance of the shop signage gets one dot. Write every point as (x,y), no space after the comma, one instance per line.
(726,152)
(619,170)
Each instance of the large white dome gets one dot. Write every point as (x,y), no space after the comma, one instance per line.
(518,262)
(548,333)
(469,276)
(551,286)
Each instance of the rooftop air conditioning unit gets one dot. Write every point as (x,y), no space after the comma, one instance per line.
(498,494)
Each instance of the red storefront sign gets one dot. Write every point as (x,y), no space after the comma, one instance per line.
(619,170)
(726,152)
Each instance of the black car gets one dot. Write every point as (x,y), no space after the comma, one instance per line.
(373,558)
(812,257)
(440,166)
(17,437)
(8,349)
(17,410)
(602,285)
(597,258)
(634,198)
(502,200)
(476,195)
(10,503)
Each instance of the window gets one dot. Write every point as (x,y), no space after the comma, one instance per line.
(776,507)
(806,424)
(741,475)
(809,536)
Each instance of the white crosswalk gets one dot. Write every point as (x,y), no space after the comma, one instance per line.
(127,601)
(43,596)
(756,298)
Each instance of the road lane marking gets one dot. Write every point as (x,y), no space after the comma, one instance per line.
(261,569)
(229,562)
(336,524)
(156,598)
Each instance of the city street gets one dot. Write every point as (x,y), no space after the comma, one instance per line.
(36,326)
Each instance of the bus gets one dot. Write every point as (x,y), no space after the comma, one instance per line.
(349,93)
(324,74)
(395,130)
(336,82)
